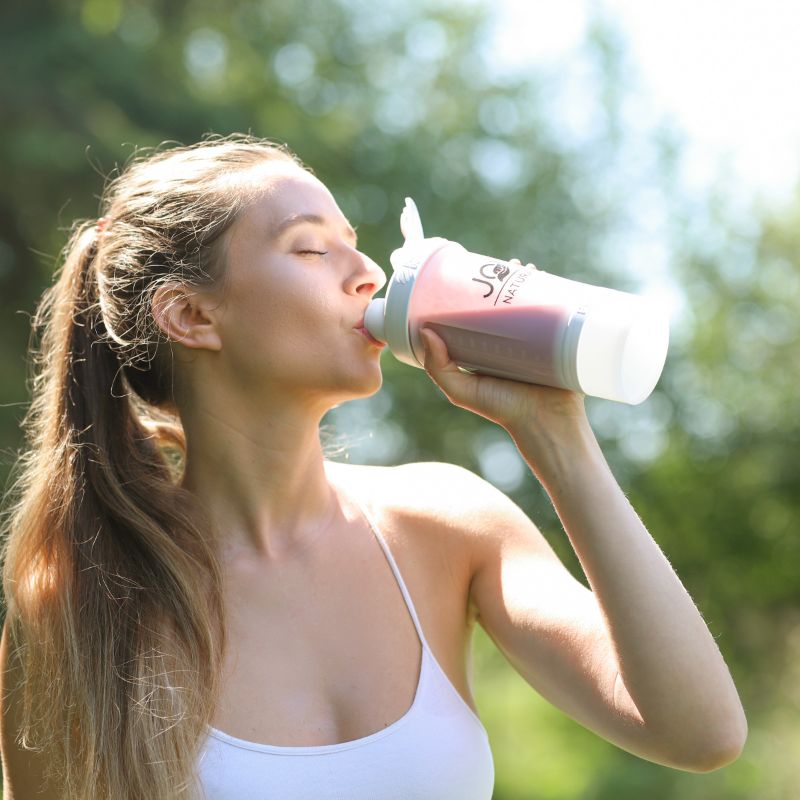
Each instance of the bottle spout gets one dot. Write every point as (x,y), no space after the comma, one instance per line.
(375,319)
(410,222)
(407,256)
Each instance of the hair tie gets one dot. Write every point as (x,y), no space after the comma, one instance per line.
(101,225)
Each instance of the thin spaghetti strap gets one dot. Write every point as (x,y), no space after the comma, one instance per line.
(395,569)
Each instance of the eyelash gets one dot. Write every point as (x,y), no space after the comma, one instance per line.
(314,252)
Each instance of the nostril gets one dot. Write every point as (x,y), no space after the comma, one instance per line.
(369,288)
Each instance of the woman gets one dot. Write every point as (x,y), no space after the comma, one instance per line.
(195,593)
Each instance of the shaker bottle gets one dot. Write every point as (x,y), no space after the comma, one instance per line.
(518,322)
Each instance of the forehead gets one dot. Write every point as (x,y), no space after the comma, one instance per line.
(282,190)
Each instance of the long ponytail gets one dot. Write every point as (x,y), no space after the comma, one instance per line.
(110,572)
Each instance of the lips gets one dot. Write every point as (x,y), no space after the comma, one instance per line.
(359,326)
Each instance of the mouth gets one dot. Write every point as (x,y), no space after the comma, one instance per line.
(359,328)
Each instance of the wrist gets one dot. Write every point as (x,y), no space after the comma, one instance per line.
(556,448)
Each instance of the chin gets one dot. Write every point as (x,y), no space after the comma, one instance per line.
(371,384)
(358,388)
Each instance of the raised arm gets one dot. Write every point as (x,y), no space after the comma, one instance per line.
(632,659)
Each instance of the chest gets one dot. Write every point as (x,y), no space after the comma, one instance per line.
(327,651)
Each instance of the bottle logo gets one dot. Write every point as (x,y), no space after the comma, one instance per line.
(493,271)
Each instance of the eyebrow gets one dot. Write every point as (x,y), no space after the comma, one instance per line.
(313,219)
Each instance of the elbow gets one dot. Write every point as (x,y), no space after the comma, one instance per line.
(717,759)
(721,753)
(710,745)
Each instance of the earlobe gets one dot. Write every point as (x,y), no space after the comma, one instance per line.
(181,314)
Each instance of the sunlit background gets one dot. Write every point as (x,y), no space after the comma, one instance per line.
(653,147)
(724,72)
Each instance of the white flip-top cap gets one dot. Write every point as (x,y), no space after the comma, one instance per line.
(387,318)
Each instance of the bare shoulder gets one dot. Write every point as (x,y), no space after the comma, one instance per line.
(447,494)
(429,492)
(446,505)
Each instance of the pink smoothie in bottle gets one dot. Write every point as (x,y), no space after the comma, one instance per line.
(523,342)
(518,322)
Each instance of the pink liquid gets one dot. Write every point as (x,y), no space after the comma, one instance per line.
(522,343)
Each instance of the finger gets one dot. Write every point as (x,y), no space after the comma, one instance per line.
(529,265)
(457,385)
(436,356)
(438,364)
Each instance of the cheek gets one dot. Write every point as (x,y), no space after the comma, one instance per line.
(278,320)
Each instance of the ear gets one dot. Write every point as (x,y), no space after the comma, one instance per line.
(182,314)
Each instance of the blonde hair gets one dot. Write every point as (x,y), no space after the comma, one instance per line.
(110,573)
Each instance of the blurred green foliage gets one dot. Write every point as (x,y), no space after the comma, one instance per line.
(393,99)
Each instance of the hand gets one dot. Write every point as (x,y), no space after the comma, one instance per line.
(509,403)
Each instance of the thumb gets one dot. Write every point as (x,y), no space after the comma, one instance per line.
(437,359)
(443,370)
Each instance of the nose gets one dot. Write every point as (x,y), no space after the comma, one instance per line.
(366,278)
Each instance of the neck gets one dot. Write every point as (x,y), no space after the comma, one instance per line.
(262,479)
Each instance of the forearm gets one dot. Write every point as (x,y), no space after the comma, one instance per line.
(667,657)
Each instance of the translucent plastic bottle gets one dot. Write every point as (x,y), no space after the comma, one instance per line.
(517,322)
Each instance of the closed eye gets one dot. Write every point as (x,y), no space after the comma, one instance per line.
(313,252)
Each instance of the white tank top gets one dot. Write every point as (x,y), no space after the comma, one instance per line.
(438,750)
